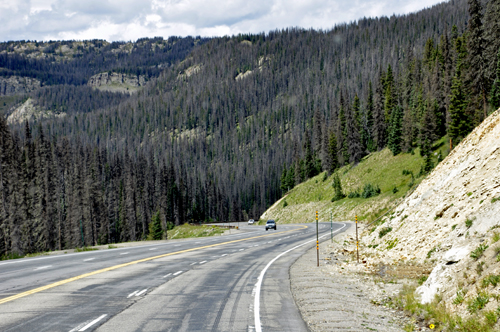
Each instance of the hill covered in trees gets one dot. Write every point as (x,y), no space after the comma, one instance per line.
(224,130)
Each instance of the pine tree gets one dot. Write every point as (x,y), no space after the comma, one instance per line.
(332,152)
(459,122)
(389,94)
(342,133)
(155,229)
(475,46)
(367,126)
(355,149)
(492,37)
(394,142)
(337,186)
(495,89)
(379,123)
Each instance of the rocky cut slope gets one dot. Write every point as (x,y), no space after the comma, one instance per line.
(451,221)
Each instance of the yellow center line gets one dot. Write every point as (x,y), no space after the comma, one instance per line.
(111,268)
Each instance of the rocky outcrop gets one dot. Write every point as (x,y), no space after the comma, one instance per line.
(30,112)
(16,85)
(117,79)
(452,213)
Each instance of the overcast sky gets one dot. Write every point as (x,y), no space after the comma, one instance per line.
(132,19)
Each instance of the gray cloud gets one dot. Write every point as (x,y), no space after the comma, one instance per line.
(132,19)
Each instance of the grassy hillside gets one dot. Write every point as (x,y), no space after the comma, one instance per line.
(380,169)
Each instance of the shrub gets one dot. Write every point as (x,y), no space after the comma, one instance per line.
(479,302)
(354,194)
(422,279)
(395,190)
(490,280)
(478,252)
(384,231)
(468,223)
(285,204)
(496,237)
(460,296)
(370,191)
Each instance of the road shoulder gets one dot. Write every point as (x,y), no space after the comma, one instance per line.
(341,295)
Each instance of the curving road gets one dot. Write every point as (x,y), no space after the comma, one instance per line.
(236,282)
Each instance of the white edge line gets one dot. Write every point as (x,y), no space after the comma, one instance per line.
(132,294)
(258,327)
(92,322)
(141,292)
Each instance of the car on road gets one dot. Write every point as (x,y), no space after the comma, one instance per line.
(270,224)
(251,221)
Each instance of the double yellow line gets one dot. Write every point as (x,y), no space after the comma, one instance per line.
(111,268)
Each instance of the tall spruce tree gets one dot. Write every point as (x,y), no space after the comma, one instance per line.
(495,89)
(476,46)
(379,123)
(492,37)
(395,141)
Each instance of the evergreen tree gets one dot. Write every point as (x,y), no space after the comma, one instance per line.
(355,149)
(394,142)
(155,228)
(495,89)
(332,153)
(459,122)
(342,133)
(337,186)
(379,123)
(367,125)
(475,47)
(492,37)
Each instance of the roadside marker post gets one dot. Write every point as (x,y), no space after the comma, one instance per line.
(317,238)
(357,242)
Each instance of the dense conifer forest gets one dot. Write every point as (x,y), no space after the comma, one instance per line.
(234,122)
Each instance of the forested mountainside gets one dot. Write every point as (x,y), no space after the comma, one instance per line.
(210,138)
(63,69)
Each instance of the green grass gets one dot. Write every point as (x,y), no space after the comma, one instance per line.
(85,249)
(437,314)
(378,170)
(17,256)
(478,252)
(190,231)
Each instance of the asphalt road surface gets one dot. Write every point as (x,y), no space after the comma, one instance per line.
(236,282)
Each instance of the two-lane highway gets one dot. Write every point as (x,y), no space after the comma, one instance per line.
(236,282)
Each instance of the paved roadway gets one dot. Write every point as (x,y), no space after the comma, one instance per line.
(225,283)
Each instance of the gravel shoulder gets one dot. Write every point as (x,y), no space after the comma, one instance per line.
(341,295)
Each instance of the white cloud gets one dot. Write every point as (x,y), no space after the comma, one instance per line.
(132,19)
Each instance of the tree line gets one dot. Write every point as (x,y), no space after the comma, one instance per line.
(203,142)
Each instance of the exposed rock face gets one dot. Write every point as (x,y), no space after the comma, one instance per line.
(107,79)
(15,85)
(451,213)
(28,111)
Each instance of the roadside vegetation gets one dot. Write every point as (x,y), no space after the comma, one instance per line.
(367,189)
(436,314)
